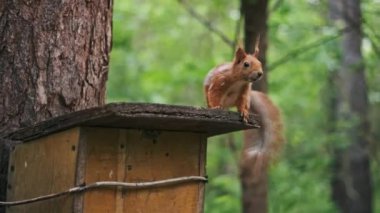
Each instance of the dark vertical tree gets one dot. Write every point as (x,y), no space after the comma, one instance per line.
(255,14)
(53,60)
(254,184)
(351,181)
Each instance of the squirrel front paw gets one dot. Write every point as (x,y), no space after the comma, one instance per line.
(216,107)
(244,115)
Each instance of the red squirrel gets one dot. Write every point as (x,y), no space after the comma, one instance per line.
(229,85)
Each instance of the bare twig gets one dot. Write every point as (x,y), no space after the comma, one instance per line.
(107,184)
(373,41)
(371,29)
(237,34)
(276,5)
(303,49)
(238,29)
(206,23)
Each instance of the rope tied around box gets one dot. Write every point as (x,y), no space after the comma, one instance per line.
(107,184)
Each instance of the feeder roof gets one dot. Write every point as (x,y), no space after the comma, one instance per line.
(142,116)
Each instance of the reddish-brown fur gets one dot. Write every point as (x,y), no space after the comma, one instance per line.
(229,84)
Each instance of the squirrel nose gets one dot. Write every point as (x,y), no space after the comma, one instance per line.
(259,74)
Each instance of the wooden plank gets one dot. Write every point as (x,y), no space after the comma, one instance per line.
(142,116)
(102,164)
(80,170)
(121,169)
(41,167)
(138,156)
(160,155)
(202,170)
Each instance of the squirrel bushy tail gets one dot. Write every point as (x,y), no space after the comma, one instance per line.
(262,145)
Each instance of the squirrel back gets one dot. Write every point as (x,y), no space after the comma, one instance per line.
(208,81)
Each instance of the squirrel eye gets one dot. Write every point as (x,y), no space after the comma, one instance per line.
(246,64)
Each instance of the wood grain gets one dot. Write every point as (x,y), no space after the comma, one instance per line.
(159,156)
(54,164)
(101,165)
(41,167)
(202,170)
(139,156)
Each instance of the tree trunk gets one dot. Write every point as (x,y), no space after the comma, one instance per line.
(351,181)
(53,59)
(254,184)
(255,23)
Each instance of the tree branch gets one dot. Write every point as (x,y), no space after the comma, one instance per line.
(276,5)
(376,49)
(237,29)
(303,49)
(206,23)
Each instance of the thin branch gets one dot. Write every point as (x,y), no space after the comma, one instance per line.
(370,28)
(237,32)
(373,41)
(237,29)
(376,49)
(276,5)
(107,184)
(303,49)
(206,23)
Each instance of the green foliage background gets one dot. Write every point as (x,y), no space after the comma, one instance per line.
(161,54)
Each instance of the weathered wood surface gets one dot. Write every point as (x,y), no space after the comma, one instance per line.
(162,156)
(102,164)
(78,156)
(142,116)
(44,166)
(202,171)
(141,156)
(125,142)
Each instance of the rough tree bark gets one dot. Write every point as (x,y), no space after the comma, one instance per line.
(53,59)
(351,181)
(254,185)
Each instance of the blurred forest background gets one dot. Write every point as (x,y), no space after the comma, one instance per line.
(161,54)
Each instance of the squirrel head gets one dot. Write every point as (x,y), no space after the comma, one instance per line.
(247,66)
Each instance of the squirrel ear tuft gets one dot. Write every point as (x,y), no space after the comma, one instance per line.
(239,55)
(257,43)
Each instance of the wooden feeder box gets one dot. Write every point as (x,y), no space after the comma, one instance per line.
(116,142)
